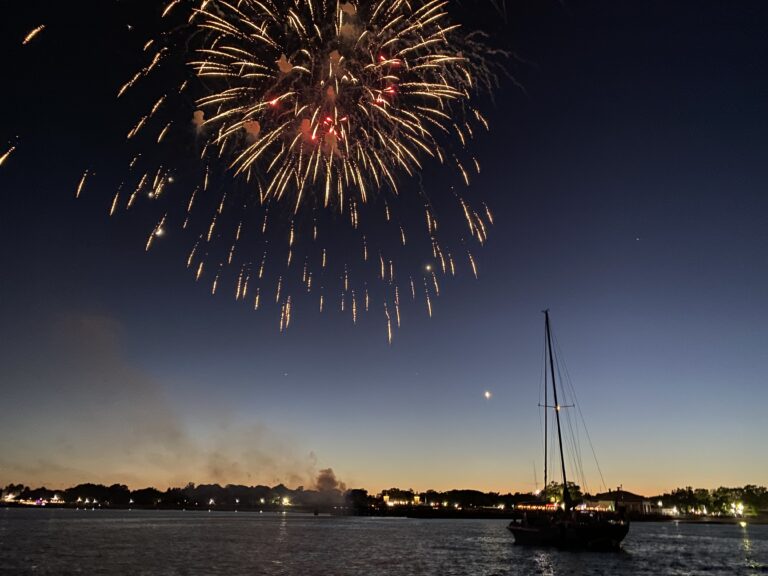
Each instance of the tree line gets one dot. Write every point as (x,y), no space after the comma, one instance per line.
(191,496)
(721,500)
(753,499)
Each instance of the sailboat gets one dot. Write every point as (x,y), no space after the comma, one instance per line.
(564,524)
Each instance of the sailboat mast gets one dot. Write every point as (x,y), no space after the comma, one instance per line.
(546,427)
(566,494)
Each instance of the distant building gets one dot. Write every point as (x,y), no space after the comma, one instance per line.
(621,500)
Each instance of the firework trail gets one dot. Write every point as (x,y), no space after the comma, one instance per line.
(32,34)
(7,155)
(307,116)
(81,184)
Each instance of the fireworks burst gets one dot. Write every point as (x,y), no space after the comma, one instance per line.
(334,101)
(308,114)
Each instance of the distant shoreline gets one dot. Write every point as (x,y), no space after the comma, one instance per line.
(413,514)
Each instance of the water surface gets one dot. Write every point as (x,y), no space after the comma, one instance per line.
(134,543)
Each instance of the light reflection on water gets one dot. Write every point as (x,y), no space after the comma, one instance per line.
(139,543)
(543,560)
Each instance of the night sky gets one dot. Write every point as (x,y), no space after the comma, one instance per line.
(626,169)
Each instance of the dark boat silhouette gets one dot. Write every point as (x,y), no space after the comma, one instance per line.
(563,524)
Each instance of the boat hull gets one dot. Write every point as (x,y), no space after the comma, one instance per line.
(563,534)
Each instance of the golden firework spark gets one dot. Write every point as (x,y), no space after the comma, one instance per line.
(7,155)
(81,184)
(32,34)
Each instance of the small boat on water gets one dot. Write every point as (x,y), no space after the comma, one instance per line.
(564,524)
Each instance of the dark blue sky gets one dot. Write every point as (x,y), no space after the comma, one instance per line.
(627,180)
